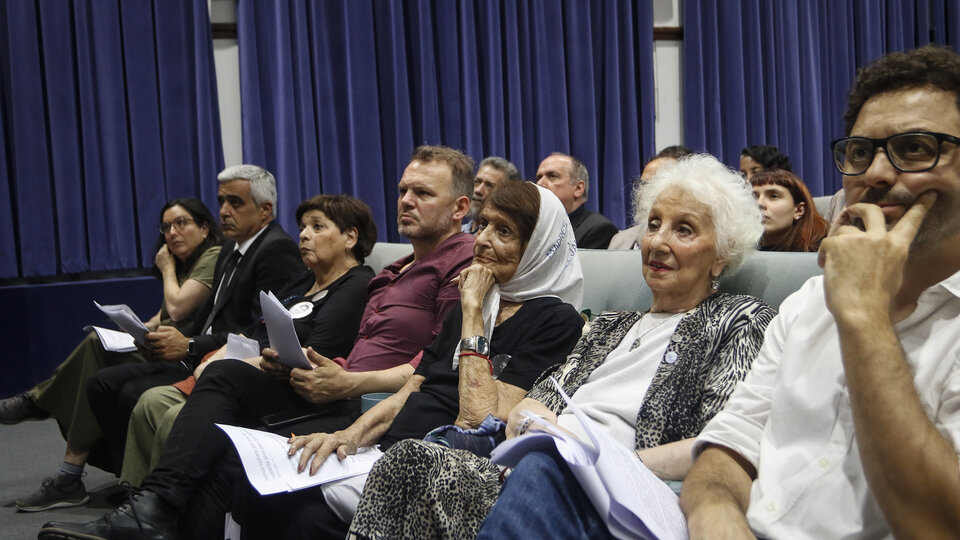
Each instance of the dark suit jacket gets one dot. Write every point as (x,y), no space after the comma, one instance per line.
(270,262)
(591,229)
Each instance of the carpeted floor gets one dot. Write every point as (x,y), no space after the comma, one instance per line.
(31,452)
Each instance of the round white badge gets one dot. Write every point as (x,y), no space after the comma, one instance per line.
(301,310)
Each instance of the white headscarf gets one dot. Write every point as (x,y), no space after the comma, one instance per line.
(549,266)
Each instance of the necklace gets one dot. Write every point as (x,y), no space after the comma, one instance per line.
(636,342)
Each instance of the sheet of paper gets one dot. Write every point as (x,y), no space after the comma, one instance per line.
(126,319)
(280,330)
(632,501)
(241,348)
(270,470)
(113,340)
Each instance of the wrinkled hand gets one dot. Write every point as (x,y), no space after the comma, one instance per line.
(327,381)
(863,269)
(164,260)
(527,405)
(168,344)
(270,366)
(318,446)
(474,283)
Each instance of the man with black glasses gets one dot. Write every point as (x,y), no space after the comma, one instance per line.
(849,422)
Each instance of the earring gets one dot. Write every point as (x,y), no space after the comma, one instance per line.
(715,283)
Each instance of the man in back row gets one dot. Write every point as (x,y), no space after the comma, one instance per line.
(567,178)
(491,172)
(848,425)
(409,299)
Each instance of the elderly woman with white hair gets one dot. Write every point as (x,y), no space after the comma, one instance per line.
(651,380)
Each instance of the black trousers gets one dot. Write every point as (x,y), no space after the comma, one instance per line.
(199,470)
(113,392)
(300,514)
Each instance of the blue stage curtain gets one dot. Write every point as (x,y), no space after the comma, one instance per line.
(108,109)
(778,71)
(337,93)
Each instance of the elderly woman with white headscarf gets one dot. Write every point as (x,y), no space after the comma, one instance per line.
(518,316)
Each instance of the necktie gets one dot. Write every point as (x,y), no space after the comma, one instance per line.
(228,270)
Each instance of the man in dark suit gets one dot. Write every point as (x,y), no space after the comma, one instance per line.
(566,177)
(259,255)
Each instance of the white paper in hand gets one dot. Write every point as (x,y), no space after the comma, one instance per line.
(112,340)
(127,320)
(280,330)
(241,348)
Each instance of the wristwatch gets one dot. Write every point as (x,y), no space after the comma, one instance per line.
(192,348)
(477,344)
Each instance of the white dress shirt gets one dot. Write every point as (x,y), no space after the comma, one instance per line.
(791,417)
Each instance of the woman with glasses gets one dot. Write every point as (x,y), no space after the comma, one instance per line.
(187,251)
(790,218)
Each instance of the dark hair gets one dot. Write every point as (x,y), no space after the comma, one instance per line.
(769,157)
(520,201)
(461,166)
(676,151)
(806,233)
(203,218)
(346,213)
(930,65)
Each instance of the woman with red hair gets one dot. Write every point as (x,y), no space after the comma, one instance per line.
(790,218)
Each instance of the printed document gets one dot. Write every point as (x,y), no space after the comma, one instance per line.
(126,319)
(113,340)
(270,470)
(280,330)
(632,501)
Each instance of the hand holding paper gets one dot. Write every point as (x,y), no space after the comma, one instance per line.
(280,330)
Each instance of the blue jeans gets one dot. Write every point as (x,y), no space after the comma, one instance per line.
(542,499)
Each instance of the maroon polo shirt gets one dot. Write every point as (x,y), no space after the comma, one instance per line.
(406,309)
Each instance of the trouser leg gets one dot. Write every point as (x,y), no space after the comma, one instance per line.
(542,498)
(149,425)
(300,514)
(113,393)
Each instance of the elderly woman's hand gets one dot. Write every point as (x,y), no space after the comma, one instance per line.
(318,446)
(164,260)
(516,420)
(474,283)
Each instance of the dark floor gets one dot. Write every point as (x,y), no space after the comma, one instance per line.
(32,451)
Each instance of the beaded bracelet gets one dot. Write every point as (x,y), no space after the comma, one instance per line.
(478,355)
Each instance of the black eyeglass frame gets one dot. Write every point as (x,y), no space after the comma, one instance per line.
(882,143)
(173,224)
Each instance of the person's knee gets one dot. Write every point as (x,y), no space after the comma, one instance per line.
(227,373)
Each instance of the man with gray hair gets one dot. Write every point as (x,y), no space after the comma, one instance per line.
(258,255)
(567,178)
(491,172)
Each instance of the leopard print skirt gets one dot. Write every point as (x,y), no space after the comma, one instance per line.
(424,490)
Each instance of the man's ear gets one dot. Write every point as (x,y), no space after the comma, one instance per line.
(578,191)
(266,211)
(461,207)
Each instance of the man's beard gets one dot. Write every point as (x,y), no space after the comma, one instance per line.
(942,220)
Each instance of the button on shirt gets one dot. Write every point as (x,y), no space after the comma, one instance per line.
(791,417)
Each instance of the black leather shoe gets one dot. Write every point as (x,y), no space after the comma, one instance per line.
(18,408)
(145,516)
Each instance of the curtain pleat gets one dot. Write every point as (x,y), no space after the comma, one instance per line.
(520,79)
(109,110)
(778,71)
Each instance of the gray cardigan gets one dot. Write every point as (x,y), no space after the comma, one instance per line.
(713,347)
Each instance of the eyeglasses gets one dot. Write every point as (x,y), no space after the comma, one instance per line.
(916,151)
(177,224)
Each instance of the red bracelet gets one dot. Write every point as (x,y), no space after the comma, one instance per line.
(478,355)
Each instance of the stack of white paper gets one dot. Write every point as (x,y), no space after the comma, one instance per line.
(270,470)
(126,319)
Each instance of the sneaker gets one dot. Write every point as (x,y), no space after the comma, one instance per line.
(20,407)
(60,492)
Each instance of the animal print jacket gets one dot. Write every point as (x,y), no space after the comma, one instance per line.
(709,353)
